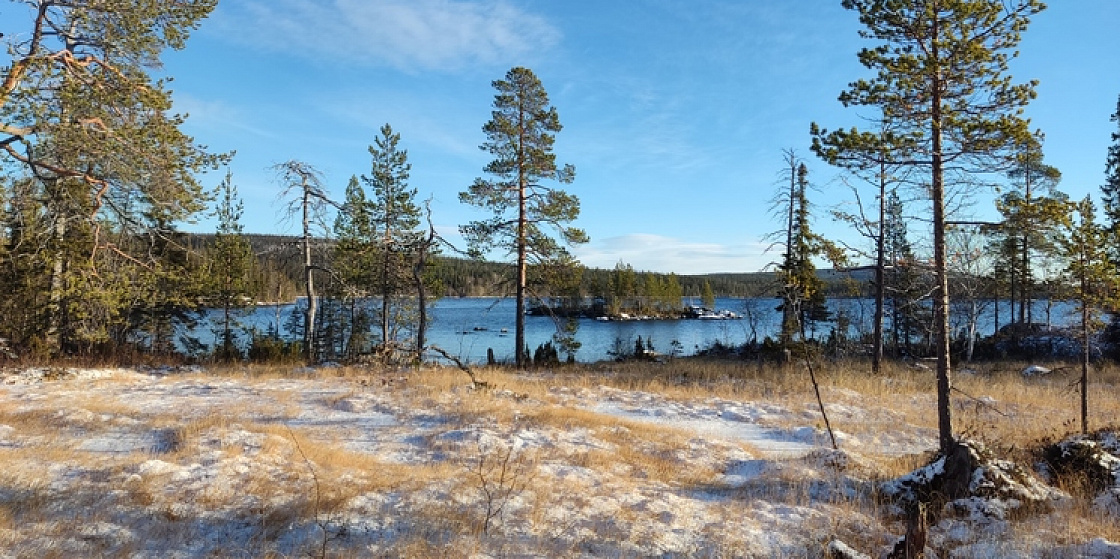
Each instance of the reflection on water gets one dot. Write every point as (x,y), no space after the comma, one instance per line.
(467,327)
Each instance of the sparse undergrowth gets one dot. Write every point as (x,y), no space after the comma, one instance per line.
(688,458)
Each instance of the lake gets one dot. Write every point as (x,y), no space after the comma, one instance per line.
(467,327)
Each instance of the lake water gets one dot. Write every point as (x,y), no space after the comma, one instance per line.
(468,327)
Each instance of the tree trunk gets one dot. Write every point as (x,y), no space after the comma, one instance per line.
(309,333)
(940,261)
(386,303)
(386,274)
(522,242)
(55,306)
(422,306)
(1025,290)
(789,312)
(418,278)
(973,319)
(1084,347)
(995,327)
(1012,283)
(522,275)
(880,245)
(941,307)
(227,330)
(1026,316)
(522,270)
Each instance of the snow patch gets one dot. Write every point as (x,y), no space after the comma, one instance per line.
(972,483)
(136,486)
(731,424)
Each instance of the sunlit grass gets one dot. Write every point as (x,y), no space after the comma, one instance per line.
(279,472)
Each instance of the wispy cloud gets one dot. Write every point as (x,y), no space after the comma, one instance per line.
(455,133)
(217,115)
(656,253)
(409,35)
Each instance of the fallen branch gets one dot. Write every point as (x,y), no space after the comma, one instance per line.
(475,383)
(978,401)
(323,524)
(820,402)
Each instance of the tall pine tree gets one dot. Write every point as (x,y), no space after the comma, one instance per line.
(108,167)
(941,78)
(802,291)
(379,244)
(395,218)
(1033,211)
(520,136)
(230,270)
(1095,284)
(1111,189)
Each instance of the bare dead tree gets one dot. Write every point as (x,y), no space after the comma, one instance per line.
(303,190)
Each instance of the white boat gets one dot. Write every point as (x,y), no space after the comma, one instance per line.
(708,314)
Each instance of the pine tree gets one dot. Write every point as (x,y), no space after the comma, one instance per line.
(231,268)
(381,251)
(396,218)
(107,162)
(940,77)
(803,299)
(707,296)
(1111,188)
(520,136)
(1110,194)
(873,157)
(354,264)
(1033,210)
(1095,284)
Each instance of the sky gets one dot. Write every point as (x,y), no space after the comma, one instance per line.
(675,113)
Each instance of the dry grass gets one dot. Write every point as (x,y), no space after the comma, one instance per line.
(354,473)
(993,402)
(985,401)
(278,473)
(31,421)
(24,492)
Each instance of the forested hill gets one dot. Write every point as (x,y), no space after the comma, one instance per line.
(280,264)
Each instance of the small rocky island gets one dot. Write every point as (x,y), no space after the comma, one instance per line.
(600,310)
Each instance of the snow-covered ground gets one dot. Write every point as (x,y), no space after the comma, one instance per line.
(127,463)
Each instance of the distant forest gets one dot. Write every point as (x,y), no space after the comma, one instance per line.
(280,272)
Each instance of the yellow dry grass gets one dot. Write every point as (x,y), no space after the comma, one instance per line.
(995,401)
(30,421)
(25,488)
(321,477)
(359,472)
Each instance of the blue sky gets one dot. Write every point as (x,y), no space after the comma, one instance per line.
(675,112)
